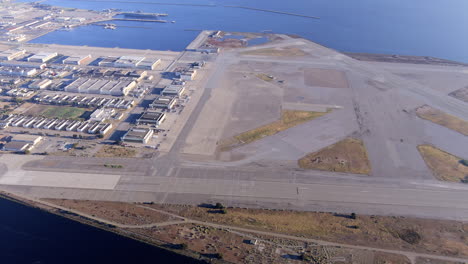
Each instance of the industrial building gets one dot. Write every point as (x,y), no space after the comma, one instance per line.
(84,101)
(20,92)
(149,64)
(17,71)
(77,60)
(31,139)
(101,86)
(128,61)
(42,56)
(107,61)
(165,102)
(16,146)
(17,64)
(40,84)
(12,54)
(138,135)
(22,143)
(185,73)
(151,118)
(101,114)
(173,90)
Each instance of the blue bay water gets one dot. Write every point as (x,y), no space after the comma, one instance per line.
(417,27)
(29,235)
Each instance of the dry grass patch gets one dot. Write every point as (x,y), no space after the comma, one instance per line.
(276,52)
(265,77)
(289,118)
(443,119)
(348,155)
(119,212)
(434,236)
(445,166)
(115,151)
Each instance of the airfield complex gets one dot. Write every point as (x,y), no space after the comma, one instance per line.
(182,106)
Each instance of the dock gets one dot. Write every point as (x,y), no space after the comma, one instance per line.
(142,15)
(137,20)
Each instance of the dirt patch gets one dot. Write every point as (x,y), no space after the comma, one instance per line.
(122,213)
(443,119)
(348,155)
(325,78)
(115,151)
(420,260)
(289,118)
(444,166)
(436,236)
(461,94)
(277,52)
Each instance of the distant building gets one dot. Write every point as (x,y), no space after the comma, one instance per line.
(101,114)
(16,146)
(165,102)
(138,135)
(62,19)
(107,61)
(40,84)
(77,60)
(42,56)
(31,139)
(17,71)
(12,54)
(78,20)
(149,64)
(101,86)
(188,75)
(128,61)
(173,90)
(151,118)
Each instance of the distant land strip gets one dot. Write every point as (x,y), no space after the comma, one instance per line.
(273,11)
(147,3)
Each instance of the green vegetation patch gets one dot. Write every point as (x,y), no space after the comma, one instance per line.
(61,112)
(113,166)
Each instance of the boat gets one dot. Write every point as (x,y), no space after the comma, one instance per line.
(110,26)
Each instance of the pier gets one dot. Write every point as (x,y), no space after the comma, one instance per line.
(136,19)
(273,11)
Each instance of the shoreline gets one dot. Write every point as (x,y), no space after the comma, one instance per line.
(55,210)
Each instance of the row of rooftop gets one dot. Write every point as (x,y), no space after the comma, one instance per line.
(89,127)
(117,62)
(98,86)
(84,101)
